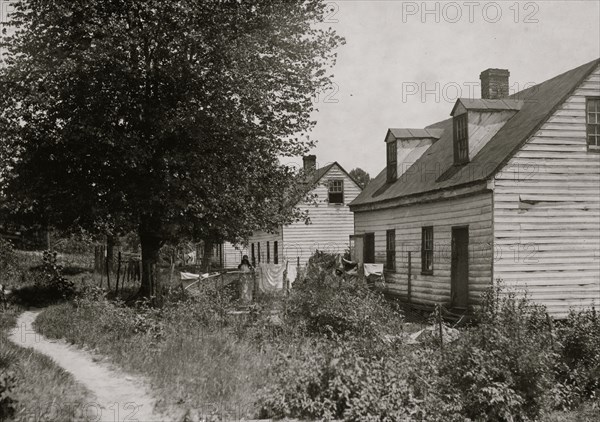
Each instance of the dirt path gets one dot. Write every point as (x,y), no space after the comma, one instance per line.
(117,396)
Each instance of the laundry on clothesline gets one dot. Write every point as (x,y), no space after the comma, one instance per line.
(191,276)
(292,273)
(270,277)
(373,269)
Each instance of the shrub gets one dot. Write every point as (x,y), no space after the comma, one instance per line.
(329,381)
(501,368)
(9,268)
(7,384)
(324,304)
(578,373)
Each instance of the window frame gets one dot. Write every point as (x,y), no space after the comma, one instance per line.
(331,184)
(392,161)
(460,134)
(275,252)
(588,101)
(390,250)
(258,247)
(427,250)
(268,252)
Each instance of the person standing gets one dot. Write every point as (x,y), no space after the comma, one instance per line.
(245,280)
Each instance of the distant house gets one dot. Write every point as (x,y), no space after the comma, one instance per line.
(331,221)
(507,188)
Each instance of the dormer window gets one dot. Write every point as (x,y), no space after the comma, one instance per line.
(392,161)
(461,139)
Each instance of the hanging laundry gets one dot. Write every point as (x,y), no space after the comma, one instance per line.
(270,277)
(292,273)
(189,276)
(373,269)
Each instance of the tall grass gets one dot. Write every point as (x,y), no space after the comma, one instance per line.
(192,358)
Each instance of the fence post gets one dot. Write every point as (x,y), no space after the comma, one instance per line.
(409,284)
(439,320)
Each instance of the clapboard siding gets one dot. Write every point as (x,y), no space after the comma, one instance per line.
(474,211)
(261,238)
(547,218)
(330,225)
(232,255)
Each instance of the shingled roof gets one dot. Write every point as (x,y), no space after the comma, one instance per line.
(538,103)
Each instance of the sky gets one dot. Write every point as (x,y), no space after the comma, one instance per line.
(405,63)
(401,68)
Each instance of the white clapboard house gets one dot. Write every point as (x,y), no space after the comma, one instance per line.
(330,225)
(507,189)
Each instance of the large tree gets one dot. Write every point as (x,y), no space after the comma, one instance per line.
(362,177)
(166,117)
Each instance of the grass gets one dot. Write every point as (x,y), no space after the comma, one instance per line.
(42,390)
(190,366)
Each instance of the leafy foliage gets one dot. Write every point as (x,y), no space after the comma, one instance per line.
(333,381)
(7,384)
(578,372)
(503,366)
(323,303)
(9,268)
(362,177)
(167,118)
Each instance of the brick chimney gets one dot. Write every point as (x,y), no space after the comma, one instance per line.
(310,163)
(494,84)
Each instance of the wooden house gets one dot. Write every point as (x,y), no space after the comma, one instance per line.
(330,225)
(506,189)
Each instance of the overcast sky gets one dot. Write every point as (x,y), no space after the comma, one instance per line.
(395,51)
(405,63)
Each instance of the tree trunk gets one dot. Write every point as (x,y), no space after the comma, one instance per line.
(151,244)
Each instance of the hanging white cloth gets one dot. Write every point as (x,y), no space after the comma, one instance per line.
(188,276)
(374,269)
(292,273)
(270,278)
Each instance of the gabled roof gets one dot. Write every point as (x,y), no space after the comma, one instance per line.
(482,104)
(415,133)
(539,103)
(321,172)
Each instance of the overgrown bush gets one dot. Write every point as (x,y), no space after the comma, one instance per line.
(7,384)
(502,368)
(9,268)
(331,380)
(578,372)
(47,284)
(324,304)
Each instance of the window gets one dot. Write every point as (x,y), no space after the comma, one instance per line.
(461,139)
(336,191)
(253,257)
(592,114)
(392,161)
(268,252)
(258,252)
(369,248)
(427,250)
(390,250)
(275,253)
